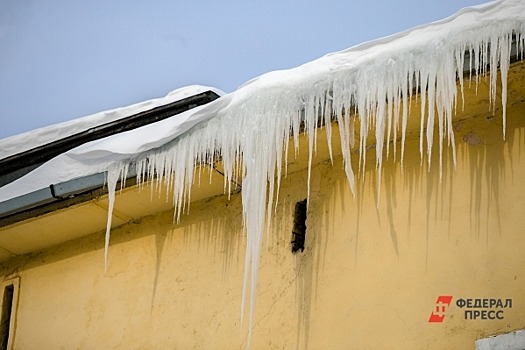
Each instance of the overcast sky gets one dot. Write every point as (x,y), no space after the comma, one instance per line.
(60,60)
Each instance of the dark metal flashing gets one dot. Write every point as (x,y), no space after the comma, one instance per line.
(17,165)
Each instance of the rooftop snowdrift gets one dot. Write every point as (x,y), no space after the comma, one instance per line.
(31,139)
(250,128)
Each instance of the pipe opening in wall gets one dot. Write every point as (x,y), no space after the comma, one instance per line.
(5,321)
(299,226)
(9,298)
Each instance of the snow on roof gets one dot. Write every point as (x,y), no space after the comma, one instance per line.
(253,125)
(34,138)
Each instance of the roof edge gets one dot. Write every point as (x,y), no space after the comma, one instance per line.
(17,165)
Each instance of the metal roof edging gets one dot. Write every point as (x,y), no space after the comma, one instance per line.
(59,195)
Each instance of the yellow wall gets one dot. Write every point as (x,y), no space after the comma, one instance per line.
(368,279)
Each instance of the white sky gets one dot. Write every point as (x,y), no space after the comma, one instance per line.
(60,60)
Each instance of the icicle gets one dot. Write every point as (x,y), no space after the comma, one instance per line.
(115,173)
(424,86)
(406,78)
(505,46)
(431,112)
(327,115)
(460,60)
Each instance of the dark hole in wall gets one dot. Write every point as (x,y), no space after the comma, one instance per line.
(5,320)
(299,226)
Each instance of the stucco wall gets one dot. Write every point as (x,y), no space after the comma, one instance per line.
(368,279)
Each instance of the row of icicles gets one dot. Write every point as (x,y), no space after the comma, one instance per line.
(250,137)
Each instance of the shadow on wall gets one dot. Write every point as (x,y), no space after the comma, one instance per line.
(484,163)
(214,227)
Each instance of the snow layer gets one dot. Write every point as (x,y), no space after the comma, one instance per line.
(249,129)
(96,156)
(31,139)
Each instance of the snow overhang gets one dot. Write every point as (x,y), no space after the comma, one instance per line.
(19,164)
